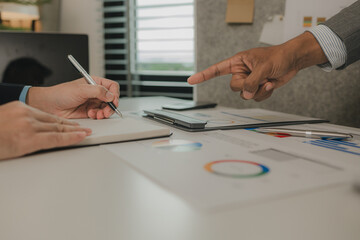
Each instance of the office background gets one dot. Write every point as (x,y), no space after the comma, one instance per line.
(313,92)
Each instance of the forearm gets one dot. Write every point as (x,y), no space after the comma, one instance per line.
(304,51)
(9,92)
(37,98)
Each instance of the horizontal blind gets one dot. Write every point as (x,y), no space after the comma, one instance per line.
(149,46)
(116,43)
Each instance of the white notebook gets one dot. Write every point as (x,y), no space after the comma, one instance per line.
(120,130)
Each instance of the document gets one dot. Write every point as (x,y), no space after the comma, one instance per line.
(120,130)
(273,29)
(221,169)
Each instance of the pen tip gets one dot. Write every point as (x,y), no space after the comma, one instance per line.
(118,113)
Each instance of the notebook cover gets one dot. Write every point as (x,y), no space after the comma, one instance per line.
(120,130)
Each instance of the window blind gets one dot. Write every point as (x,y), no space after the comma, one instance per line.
(116,43)
(149,46)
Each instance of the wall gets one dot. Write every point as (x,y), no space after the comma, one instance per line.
(50,15)
(85,16)
(334,96)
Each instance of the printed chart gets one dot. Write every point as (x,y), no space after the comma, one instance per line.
(220,168)
(342,146)
(350,147)
(236,168)
(177,145)
(274,134)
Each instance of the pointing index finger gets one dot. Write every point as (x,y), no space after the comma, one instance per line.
(218,69)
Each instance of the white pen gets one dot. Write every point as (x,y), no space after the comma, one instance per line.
(89,80)
(307,133)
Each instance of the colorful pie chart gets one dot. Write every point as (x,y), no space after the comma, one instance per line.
(177,145)
(236,168)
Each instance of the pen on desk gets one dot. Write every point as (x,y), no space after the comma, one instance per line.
(89,80)
(307,133)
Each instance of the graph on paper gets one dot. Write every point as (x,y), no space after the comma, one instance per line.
(342,146)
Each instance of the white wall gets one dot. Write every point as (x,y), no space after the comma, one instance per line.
(50,15)
(85,16)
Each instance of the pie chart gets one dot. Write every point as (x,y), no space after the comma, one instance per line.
(236,168)
(177,145)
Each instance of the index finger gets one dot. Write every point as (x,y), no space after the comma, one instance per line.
(218,69)
(111,85)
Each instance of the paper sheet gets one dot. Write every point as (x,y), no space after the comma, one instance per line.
(223,168)
(350,148)
(272,32)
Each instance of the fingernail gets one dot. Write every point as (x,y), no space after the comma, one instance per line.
(109,96)
(81,134)
(74,123)
(192,80)
(88,131)
(268,87)
(248,95)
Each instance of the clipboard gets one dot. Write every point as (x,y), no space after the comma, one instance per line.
(188,120)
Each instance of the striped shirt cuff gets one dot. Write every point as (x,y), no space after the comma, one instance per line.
(24,93)
(333,47)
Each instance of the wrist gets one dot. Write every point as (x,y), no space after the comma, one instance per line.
(305,51)
(35,97)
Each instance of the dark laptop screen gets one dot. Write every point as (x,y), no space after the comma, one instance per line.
(40,59)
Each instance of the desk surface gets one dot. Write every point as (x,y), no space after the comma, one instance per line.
(63,195)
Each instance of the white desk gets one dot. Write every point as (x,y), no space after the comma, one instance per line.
(63,195)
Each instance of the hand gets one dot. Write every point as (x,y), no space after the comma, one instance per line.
(257,72)
(24,129)
(76,99)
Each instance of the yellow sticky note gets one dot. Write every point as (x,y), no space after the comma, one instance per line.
(240,11)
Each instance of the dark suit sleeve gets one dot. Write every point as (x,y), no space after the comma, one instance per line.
(9,92)
(346,24)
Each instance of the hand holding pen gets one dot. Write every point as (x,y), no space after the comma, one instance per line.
(89,80)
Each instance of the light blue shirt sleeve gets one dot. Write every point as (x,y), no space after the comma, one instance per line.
(24,93)
(333,47)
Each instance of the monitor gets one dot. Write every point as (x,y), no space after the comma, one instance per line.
(40,59)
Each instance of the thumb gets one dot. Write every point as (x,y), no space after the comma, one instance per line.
(99,92)
(252,82)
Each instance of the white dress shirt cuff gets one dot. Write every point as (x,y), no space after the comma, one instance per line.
(333,47)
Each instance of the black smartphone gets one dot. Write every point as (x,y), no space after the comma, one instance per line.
(181,106)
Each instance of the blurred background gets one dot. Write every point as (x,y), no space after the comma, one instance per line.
(151,47)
